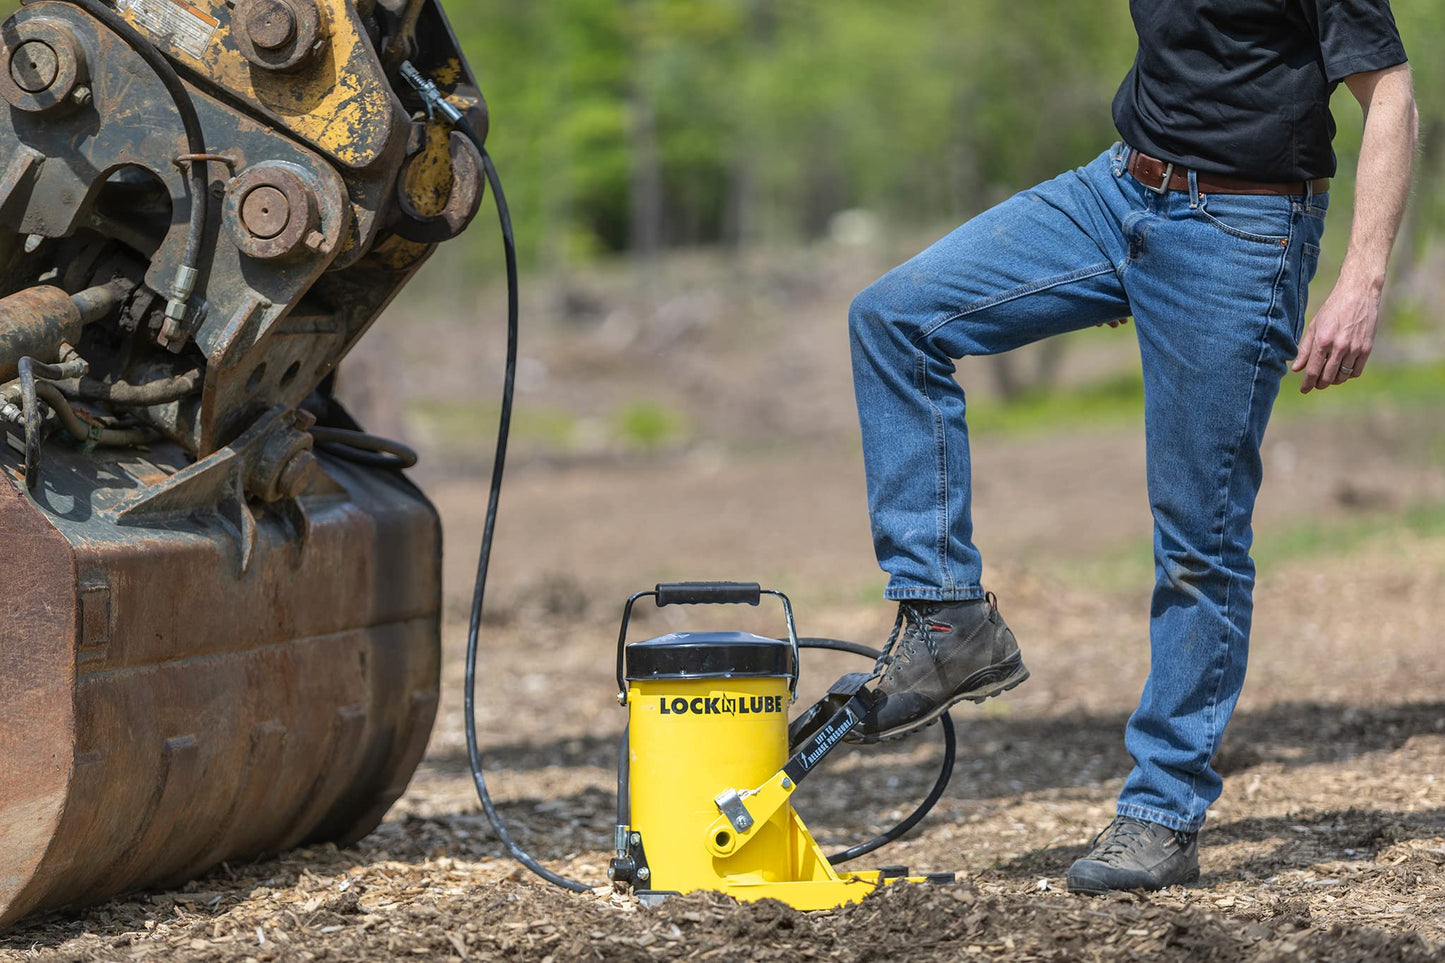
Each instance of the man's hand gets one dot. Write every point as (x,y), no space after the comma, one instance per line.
(1338,341)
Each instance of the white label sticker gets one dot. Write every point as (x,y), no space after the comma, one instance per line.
(189,29)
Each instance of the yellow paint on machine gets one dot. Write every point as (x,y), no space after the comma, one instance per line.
(427,179)
(339,101)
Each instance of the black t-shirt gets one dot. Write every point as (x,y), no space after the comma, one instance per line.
(1242,87)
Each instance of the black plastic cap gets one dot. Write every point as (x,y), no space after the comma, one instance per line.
(709,655)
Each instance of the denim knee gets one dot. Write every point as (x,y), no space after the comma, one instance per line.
(866,309)
(885,304)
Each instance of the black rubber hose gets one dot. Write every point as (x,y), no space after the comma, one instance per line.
(474,756)
(190,121)
(370,450)
(837,645)
(945,772)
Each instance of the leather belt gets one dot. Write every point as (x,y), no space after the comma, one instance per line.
(1160,176)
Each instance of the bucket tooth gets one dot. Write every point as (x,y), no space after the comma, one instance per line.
(180,776)
(258,779)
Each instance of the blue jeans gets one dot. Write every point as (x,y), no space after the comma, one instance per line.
(1216,285)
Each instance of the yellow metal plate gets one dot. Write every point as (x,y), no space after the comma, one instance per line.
(339,101)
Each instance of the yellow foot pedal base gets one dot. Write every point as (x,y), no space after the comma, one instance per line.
(822,894)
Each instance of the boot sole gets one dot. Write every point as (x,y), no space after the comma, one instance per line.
(986,689)
(1087,889)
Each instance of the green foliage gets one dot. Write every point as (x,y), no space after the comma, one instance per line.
(762,119)
(647,425)
(620,124)
(461,424)
(1132,567)
(469,427)
(1119,400)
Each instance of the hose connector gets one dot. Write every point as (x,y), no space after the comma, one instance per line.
(10,409)
(173,332)
(430,96)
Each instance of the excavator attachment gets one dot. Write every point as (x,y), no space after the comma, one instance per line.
(220,599)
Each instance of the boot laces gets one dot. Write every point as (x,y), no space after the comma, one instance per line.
(1117,839)
(910,629)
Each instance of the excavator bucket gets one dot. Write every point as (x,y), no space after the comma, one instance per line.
(219,597)
(165,710)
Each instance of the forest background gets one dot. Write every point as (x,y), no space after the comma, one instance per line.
(632,125)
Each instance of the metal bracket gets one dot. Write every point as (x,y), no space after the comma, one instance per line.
(730,804)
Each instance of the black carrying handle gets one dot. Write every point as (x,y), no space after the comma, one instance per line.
(704,593)
(708,593)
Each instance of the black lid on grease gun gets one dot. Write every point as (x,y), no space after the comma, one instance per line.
(709,655)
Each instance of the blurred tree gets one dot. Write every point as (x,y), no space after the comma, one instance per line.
(641,124)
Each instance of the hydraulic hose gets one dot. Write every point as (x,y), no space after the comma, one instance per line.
(187,273)
(83,432)
(474,755)
(363,449)
(945,772)
(30,370)
(126,394)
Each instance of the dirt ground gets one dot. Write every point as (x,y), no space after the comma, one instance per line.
(1329,841)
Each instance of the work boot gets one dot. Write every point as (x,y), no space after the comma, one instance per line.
(1134,854)
(939,653)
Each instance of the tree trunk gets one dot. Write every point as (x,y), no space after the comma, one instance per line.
(646,187)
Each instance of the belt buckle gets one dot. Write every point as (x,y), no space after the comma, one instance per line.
(1163,187)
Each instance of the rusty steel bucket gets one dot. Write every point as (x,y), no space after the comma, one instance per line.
(196,687)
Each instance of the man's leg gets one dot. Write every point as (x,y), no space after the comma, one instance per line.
(1043,262)
(1217,284)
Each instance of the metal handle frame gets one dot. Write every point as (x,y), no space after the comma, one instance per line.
(721,588)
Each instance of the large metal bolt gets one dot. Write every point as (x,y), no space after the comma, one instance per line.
(278,34)
(265,212)
(296,474)
(271,24)
(41,64)
(34,66)
(643,873)
(270,209)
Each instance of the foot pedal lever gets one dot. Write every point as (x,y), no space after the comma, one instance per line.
(818,715)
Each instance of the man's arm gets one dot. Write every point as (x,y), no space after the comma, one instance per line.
(1338,341)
